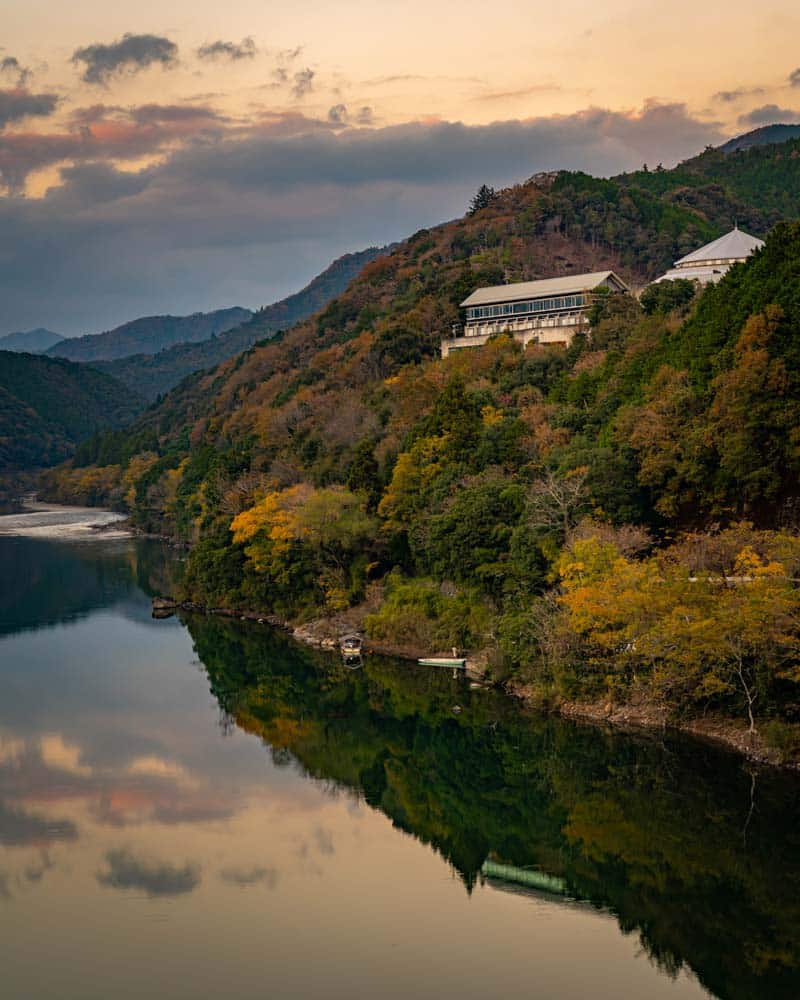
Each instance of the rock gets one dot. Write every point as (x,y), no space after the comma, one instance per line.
(164,604)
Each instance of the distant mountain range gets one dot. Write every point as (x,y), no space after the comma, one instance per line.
(33,341)
(151,375)
(149,335)
(48,405)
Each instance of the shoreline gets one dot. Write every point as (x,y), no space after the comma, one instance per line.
(324,633)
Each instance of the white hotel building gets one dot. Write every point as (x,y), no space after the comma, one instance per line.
(541,312)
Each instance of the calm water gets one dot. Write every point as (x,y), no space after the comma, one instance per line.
(200,809)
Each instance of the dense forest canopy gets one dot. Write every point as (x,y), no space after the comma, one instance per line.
(477,501)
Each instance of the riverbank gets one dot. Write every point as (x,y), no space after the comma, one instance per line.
(645,716)
(325,633)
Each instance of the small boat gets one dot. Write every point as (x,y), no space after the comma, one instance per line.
(350,645)
(443,661)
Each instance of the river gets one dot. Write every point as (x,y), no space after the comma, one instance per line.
(194,807)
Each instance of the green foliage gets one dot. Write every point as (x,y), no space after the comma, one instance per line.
(667,296)
(48,405)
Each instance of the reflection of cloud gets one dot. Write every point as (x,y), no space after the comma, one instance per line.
(156,878)
(324,840)
(157,766)
(62,756)
(244,877)
(131,54)
(21,829)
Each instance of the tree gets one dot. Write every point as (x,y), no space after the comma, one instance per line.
(482,198)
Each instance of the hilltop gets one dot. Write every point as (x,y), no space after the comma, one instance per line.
(30,341)
(48,405)
(148,335)
(151,375)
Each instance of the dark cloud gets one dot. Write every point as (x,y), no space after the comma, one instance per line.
(155,878)
(12,66)
(732,96)
(246,49)
(247,215)
(104,132)
(769,114)
(130,54)
(337,115)
(18,829)
(18,104)
(794,78)
(245,877)
(303,82)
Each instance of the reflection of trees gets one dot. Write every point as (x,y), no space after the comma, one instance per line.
(651,830)
(43,581)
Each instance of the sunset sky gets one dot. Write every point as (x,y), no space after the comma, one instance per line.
(175,157)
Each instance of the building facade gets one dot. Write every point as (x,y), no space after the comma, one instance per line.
(715,259)
(551,311)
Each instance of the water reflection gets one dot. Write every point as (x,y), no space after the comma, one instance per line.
(697,854)
(201,807)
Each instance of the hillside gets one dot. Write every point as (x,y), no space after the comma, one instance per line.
(48,405)
(531,497)
(152,375)
(31,341)
(148,335)
(767,135)
(756,185)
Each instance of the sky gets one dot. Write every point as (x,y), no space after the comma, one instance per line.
(171,158)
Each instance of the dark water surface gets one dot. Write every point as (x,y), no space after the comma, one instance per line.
(201,808)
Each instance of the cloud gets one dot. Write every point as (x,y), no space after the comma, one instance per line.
(365,116)
(246,49)
(18,828)
(247,214)
(506,95)
(303,82)
(131,54)
(12,66)
(794,78)
(769,114)
(155,878)
(245,877)
(18,104)
(103,132)
(337,115)
(732,96)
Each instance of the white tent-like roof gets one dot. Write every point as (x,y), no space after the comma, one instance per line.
(733,246)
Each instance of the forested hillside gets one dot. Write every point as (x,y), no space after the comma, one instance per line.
(151,375)
(521,502)
(148,335)
(48,405)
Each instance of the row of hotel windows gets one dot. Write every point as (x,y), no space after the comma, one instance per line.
(521,308)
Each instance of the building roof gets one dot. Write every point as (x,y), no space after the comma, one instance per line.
(704,273)
(735,245)
(540,289)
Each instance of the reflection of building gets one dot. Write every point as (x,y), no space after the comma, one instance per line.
(542,312)
(711,262)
